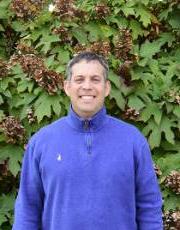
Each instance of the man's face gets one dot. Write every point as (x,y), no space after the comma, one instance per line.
(87,88)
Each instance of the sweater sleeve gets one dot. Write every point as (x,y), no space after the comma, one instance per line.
(148,196)
(29,202)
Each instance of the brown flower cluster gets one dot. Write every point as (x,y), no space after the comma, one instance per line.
(130,114)
(35,68)
(13,130)
(30,116)
(102,47)
(29,63)
(123,45)
(24,49)
(64,8)
(27,9)
(3,69)
(63,34)
(3,169)
(49,80)
(157,170)
(171,220)
(174,96)
(101,11)
(124,72)
(173,181)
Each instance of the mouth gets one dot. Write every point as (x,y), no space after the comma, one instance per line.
(87,97)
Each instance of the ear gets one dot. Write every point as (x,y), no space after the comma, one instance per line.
(107,88)
(66,87)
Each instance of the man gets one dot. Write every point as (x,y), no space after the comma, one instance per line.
(88,171)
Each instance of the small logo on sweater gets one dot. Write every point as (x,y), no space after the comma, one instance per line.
(59,157)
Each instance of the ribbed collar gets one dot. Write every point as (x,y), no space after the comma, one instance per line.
(90,124)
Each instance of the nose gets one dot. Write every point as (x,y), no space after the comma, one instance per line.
(87,84)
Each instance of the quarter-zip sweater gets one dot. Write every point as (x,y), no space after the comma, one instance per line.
(93,174)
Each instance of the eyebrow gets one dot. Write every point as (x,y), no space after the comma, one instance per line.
(76,76)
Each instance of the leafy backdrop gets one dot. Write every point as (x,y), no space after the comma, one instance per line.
(140,39)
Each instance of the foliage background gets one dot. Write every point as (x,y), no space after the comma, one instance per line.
(140,39)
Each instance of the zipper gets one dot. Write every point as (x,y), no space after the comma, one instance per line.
(88,136)
(86,125)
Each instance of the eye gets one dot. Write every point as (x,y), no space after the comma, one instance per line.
(78,80)
(96,80)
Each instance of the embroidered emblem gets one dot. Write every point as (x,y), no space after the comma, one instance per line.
(59,158)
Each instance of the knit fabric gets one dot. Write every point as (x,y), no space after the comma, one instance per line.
(93,174)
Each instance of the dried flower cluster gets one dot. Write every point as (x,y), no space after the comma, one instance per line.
(27,9)
(102,47)
(64,36)
(123,44)
(35,68)
(29,63)
(49,80)
(157,170)
(24,49)
(3,169)
(64,8)
(171,220)
(13,130)
(173,181)
(130,114)
(3,69)
(124,72)
(30,116)
(101,11)
(174,96)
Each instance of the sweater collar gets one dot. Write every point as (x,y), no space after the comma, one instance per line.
(87,124)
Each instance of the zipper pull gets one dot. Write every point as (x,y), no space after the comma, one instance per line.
(86,125)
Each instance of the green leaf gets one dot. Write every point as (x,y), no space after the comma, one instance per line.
(106,30)
(24,85)
(44,105)
(6,203)
(3,217)
(166,126)
(152,109)
(154,133)
(148,49)
(117,95)
(5,13)
(136,29)
(63,56)
(94,31)
(176,111)
(135,102)
(127,10)
(14,154)
(114,78)
(174,19)
(144,14)
(169,162)
(46,41)
(80,35)
(5,82)
(1,100)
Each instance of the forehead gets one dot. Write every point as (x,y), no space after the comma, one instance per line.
(87,68)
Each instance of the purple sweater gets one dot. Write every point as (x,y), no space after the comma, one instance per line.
(93,174)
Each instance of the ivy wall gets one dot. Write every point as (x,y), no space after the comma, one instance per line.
(140,39)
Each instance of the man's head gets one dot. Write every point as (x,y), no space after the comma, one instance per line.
(87,84)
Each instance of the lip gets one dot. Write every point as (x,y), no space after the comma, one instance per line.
(87,96)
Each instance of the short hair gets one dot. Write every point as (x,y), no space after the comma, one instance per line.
(88,56)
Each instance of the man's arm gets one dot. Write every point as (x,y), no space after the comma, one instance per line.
(148,196)
(29,202)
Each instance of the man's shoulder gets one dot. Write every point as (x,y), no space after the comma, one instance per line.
(125,128)
(50,130)
(118,123)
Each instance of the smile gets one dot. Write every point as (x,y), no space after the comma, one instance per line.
(87,97)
